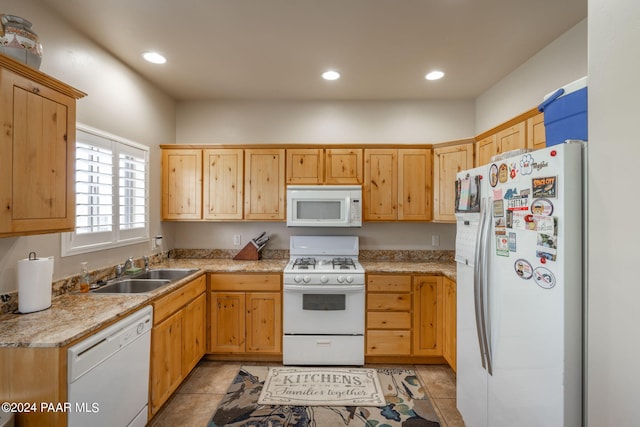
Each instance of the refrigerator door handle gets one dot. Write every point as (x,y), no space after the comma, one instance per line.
(478,273)
(485,285)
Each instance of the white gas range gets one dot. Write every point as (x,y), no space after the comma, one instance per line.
(324,300)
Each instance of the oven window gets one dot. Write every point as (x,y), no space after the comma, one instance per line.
(323,209)
(324,302)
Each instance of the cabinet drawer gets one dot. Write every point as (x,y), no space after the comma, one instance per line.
(381,343)
(245,282)
(389,302)
(388,320)
(384,283)
(177,299)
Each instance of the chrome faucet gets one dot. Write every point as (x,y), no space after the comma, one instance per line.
(120,269)
(146,263)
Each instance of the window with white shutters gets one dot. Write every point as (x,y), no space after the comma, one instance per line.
(112,193)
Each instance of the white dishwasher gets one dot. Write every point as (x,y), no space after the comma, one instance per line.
(108,374)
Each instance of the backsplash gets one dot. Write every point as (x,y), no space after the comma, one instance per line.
(9,301)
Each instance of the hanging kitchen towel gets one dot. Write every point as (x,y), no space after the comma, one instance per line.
(34,283)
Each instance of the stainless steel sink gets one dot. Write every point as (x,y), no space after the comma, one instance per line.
(166,273)
(132,286)
(146,281)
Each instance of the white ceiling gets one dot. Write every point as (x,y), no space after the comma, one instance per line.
(277,49)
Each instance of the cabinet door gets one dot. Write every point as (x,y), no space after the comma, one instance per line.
(194,333)
(486,148)
(166,359)
(343,166)
(511,138)
(447,162)
(427,312)
(264,322)
(264,184)
(38,156)
(305,166)
(449,312)
(536,136)
(381,184)
(223,177)
(182,184)
(227,322)
(415,182)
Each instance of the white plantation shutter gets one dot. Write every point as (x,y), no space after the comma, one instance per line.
(94,186)
(112,193)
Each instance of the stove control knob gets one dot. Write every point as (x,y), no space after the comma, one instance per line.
(340,279)
(306,279)
(349,279)
(297,279)
(324,279)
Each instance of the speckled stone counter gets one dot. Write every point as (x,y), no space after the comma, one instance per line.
(445,268)
(74,315)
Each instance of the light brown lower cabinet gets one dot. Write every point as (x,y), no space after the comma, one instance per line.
(427,315)
(246,314)
(35,374)
(388,315)
(449,302)
(405,318)
(178,339)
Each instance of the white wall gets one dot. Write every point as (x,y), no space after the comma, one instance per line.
(562,61)
(614,150)
(255,122)
(119,102)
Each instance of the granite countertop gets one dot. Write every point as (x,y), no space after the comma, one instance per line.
(74,315)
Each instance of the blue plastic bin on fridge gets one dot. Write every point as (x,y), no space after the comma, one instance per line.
(565,113)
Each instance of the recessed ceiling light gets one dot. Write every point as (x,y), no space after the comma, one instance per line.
(331,75)
(434,75)
(154,57)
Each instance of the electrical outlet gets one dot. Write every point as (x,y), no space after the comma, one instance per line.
(435,240)
(237,239)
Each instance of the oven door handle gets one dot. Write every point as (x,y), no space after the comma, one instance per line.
(324,289)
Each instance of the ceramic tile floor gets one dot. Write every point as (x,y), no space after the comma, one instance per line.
(195,401)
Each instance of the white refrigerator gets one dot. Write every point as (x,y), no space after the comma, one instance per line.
(519,254)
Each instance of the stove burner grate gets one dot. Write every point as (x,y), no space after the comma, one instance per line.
(343,263)
(305,263)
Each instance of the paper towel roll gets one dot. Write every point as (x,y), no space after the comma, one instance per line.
(34,283)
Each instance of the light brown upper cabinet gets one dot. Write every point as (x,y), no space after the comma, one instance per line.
(223,178)
(508,139)
(397,184)
(343,166)
(264,186)
(37,189)
(447,162)
(305,166)
(182,184)
(536,136)
(524,131)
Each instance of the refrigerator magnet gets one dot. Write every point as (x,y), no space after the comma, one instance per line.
(544,278)
(544,187)
(542,207)
(526,164)
(498,208)
(512,241)
(493,175)
(503,173)
(523,268)
(502,245)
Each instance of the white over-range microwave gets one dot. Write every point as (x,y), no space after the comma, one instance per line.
(324,206)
